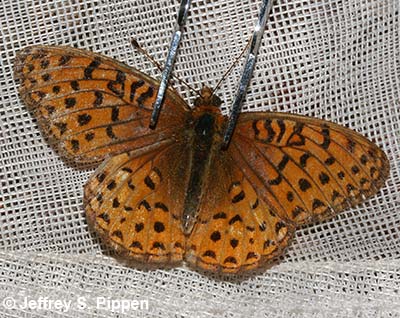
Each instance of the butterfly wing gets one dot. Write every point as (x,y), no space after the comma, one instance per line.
(135,203)
(305,168)
(92,106)
(236,229)
(280,171)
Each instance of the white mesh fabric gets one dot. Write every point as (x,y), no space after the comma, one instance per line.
(337,60)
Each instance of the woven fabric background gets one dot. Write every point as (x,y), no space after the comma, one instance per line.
(337,60)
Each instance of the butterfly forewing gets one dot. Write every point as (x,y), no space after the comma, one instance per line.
(307,169)
(92,106)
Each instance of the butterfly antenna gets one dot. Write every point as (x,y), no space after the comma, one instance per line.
(248,68)
(138,47)
(231,67)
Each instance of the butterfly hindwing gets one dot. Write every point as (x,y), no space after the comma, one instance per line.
(90,105)
(136,202)
(307,169)
(236,230)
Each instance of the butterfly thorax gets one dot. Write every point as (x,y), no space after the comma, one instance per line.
(207,98)
(204,139)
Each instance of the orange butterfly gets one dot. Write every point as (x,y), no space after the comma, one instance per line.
(172,194)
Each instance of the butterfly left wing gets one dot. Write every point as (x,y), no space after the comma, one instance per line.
(91,106)
(305,168)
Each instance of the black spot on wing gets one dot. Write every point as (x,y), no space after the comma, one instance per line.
(324,178)
(99,97)
(136,244)
(105,217)
(75,145)
(304,184)
(275,181)
(303,159)
(75,85)
(317,204)
(88,72)
(215,236)
(139,227)
(64,60)
(161,206)
(114,113)
(251,255)
(209,253)
(234,243)
(147,94)
(46,77)
(327,140)
(296,138)
(297,211)
(62,127)
(364,159)
(220,215)
(101,177)
(70,102)
(230,259)
(158,245)
(282,129)
(89,136)
(239,197)
(118,86)
(235,219)
(111,185)
(115,203)
(270,130)
(330,161)
(149,183)
(355,169)
(255,204)
(282,164)
(44,63)
(84,119)
(118,234)
(110,132)
(159,227)
(145,204)
(133,88)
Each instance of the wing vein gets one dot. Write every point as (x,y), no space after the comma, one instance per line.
(267,187)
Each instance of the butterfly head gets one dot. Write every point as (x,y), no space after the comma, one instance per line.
(207,98)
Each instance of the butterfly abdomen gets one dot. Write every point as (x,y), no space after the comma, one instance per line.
(205,137)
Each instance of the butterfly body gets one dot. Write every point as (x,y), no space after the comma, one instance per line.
(172,194)
(204,131)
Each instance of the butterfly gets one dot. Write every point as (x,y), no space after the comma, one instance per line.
(172,194)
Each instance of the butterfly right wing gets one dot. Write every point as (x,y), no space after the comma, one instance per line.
(308,169)
(91,106)
(135,203)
